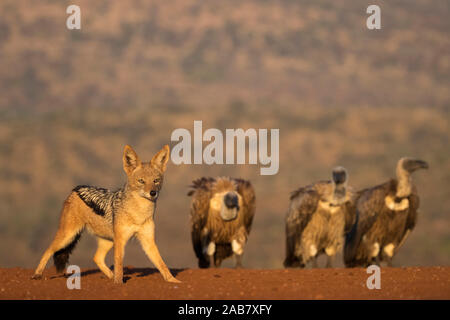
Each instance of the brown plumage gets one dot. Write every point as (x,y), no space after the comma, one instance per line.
(385,215)
(318,217)
(221,216)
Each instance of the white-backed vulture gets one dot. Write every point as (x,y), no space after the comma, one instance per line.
(317,220)
(385,215)
(221,216)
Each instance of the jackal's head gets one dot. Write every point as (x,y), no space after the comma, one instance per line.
(145,178)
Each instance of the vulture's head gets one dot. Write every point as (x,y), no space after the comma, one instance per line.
(411,165)
(339,175)
(227,204)
(340,178)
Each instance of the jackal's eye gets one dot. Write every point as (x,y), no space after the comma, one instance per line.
(156,181)
(141,181)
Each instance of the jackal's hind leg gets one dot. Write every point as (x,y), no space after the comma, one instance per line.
(70,227)
(103,248)
(63,238)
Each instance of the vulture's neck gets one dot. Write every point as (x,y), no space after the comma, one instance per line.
(339,193)
(404,185)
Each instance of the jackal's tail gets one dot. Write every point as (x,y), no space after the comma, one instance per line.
(61,257)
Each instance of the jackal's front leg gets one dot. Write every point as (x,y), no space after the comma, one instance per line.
(121,237)
(146,237)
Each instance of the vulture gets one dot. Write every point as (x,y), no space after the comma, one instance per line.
(385,216)
(221,216)
(317,219)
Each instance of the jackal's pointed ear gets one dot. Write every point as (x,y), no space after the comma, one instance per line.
(161,158)
(130,160)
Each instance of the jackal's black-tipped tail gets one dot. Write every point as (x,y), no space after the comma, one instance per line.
(61,257)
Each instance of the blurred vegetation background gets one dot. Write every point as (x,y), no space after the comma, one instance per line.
(339,93)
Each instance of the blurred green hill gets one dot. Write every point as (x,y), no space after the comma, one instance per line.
(137,70)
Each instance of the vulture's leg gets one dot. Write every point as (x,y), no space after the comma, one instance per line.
(330,260)
(301,264)
(210,250)
(217,263)
(238,250)
(330,252)
(314,262)
(238,258)
(389,262)
(372,261)
(388,253)
(311,253)
(298,257)
(376,260)
(374,254)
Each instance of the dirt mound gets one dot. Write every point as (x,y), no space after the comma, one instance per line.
(396,283)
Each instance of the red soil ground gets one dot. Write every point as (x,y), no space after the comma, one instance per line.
(396,283)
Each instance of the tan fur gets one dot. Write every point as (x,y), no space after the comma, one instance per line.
(133,212)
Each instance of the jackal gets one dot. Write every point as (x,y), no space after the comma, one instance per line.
(113,217)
